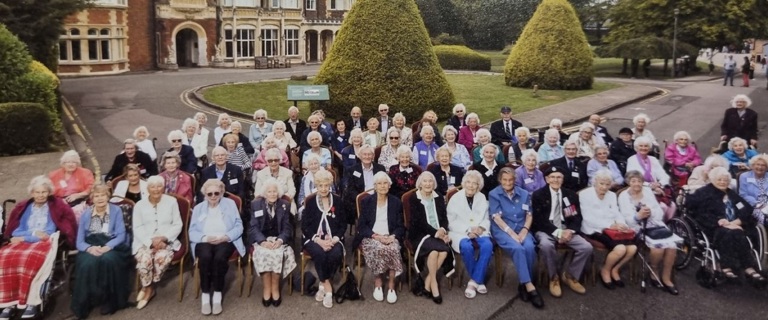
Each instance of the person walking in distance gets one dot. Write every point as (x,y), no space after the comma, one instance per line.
(730,68)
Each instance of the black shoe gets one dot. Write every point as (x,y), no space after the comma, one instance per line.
(438,299)
(536,299)
(106,310)
(277,302)
(618,283)
(266,302)
(30,312)
(6,313)
(671,289)
(607,285)
(524,296)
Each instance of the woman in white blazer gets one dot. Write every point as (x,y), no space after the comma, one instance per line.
(468,223)
(198,141)
(283,175)
(132,187)
(652,171)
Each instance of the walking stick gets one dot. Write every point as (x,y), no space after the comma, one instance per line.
(645,261)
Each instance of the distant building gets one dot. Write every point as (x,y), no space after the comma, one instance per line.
(116,36)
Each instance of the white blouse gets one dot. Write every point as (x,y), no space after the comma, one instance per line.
(147,147)
(598,214)
(381,225)
(214,223)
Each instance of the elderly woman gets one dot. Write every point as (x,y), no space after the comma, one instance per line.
(237,155)
(601,162)
(557,124)
(459,117)
(429,119)
(510,210)
(586,140)
(215,232)
(652,171)
(132,187)
(448,176)
(699,176)
(186,154)
(242,140)
(260,129)
(270,234)
(201,119)
(380,231)
(460,156)
(641,121)
(739,120)
(524,142)
(103,264)
(223,122)
(484,139)
(176,182)
(315,139)
(642,213)
(387,157)
(405,173)
(274,170)
(307,187)
(191,138)
(260,161)
(738,155)
(143,143)
(551,149)
(32,232)
(284,139)
(349,153)
(753,186)
(428,230)
(322,228)
(601,213)
(468,133)
(314,121)
(340,140)
(489,168)
(424,150)
(468,224)
(157,225)
(372,136)
(406,134)
(682,156)
(725,218)
(528,176)
(72,182)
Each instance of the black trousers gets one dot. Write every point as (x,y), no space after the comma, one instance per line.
(326,263)
(213,262)
(733,247)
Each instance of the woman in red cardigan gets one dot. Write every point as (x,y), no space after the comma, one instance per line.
(72,182)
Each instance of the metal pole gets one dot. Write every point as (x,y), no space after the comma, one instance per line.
(674,46)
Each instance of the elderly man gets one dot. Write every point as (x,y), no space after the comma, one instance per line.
(131,154)
(556,220)
(575,170)
(230,174)
(355,120)
(293,124)
(503,130)
(385,121)
(730,68)
(600,132)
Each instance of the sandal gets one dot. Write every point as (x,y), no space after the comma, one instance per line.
(470,292)
(754,275)
(729,273)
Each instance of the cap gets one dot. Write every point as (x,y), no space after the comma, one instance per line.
(553,169)
(506,109)
(625,130)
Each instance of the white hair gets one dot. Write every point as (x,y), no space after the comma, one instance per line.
(741,97)
(260,112)
(641,116)
(523,130)
(551,133)
(382,176)
(530,153)
(483,132)
(423,176)
(223,116)
(585,126)
(40,181)
(603,175)
(425,129)
(718,172)
(473,175)
(642,140)
(155,181)
(473,116)
(175,135)
(279,124)
(403,149)
(555,122)
(459,106)
(189,122)
(271,182)
(734,141)
(70,155)
(681,134)
(137,130)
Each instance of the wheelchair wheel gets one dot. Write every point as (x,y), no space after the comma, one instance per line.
(686,248)
(760,246)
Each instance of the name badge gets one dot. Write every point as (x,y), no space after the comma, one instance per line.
(423,153)
(409,170)
(143,171)
(739,206)
(340,139)
(601,134)
(525,207)
(105,228)
(452,180)
(528,180)
(232,182)
(566,201)
(751,180)
(258,213)
(62,183)
(575,174)
(352,156)
(322,126)
(239,144)
(356,174)
(488,173)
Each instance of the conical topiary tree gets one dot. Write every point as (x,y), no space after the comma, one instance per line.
(383,54)
(552,52)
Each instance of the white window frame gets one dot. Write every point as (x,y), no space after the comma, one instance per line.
(246,41)
(290,4)
(336,4)
(275,4)
(242,3)
(310,4)
(123,3)
(291,44)
(269,44)
(73,43)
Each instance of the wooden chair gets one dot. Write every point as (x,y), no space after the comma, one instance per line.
(305,257)
(377,154)
(430,167)
(409,248)
(359,252)
(234,258)
(112,183)
(249,258)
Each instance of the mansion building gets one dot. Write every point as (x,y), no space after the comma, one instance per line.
(116,36)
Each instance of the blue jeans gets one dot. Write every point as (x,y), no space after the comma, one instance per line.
(476,268)
(728,74)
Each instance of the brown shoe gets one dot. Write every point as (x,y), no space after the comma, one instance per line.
(573,284)
(554,287)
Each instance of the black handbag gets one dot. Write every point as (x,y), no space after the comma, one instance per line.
(349,290)
(658,233)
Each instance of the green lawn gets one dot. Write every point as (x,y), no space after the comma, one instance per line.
(483,94)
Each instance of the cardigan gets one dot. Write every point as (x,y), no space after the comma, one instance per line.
(548,153)
(598,214)
(467,136)
(259,211)
(461,217)
(256,136)
(522,179)
(231,218)
(284,178)
(183,184)
(368,209)
(749,189)
(419,228)
(60,212)
(121,189)
(629,211)
(116,227)
(312,216)
(148,222)
(82,179)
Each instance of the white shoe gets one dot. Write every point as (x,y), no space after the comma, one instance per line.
(378,294)
(391,296)
(328,300)
(320,294)
(482,289)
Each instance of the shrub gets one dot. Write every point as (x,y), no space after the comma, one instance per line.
(26,128)
(447,39)
(552,51)
(508,48)
(461,58)
(383,54)
(14,60)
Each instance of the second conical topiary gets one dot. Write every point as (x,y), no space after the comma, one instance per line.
(383,54)
(552,52)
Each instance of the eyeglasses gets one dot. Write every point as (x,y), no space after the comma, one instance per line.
(383,110)
(259,118)
(273,160)
(176,140)
(588,132)
(213,194)
(394,138)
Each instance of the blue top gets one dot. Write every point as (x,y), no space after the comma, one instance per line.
(339,142)
(231,220)
(116,228)
(513,211)
(255,136)
(734,159)
(477,155)
(461,157)
(594,166)
(326,128)
(528,182)
(325,156)
(548,153)
(41,222)
(750,188)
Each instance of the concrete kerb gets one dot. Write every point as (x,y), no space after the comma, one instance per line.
(197,95)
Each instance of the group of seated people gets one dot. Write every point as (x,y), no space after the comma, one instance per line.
(467,189)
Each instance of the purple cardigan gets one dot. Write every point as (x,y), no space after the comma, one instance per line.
(522,179)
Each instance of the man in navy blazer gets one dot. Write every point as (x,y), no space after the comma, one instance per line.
(355,179)
(553,224)
(230,174)
(575,170)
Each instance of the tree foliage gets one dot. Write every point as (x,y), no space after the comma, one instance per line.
(646,48)
(440,16)
(38,23)
(492,24)
(552,51)
(455,57)
(383,54)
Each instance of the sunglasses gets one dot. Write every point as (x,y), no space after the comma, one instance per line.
(273,160)
(259,118)
(176,140)
(213,194)
(383,110)
(394,138)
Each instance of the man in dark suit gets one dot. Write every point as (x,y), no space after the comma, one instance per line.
(503,130)
(355,120)
(294,125)
(600,132)
(557,220)
(359,178)
(231,175)
(575,170)
(131,154)
(740,121)
(622,149)
(385,121)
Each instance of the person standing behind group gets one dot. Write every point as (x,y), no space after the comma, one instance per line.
(730,68)
(745,68)
(739,121)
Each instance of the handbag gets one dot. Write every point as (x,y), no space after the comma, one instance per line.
(618,235)
(348,290)
(658,233)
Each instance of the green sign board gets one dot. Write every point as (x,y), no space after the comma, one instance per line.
(308,93)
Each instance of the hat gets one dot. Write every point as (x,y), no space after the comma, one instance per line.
(625,130)
(553,169)
(506,109)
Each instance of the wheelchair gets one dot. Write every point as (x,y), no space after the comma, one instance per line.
(697,245)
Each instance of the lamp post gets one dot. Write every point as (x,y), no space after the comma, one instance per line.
(674,46)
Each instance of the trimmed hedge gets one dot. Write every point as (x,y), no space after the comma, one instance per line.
(462,58)
(383,54)
(552,52)
(14,61)
(26,128)
(447,39)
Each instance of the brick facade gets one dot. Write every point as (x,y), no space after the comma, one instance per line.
(141,35)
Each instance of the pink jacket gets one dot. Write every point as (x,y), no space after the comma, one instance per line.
(82,179)
(467,137)
(260,162)
(183,185)
(673,156)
